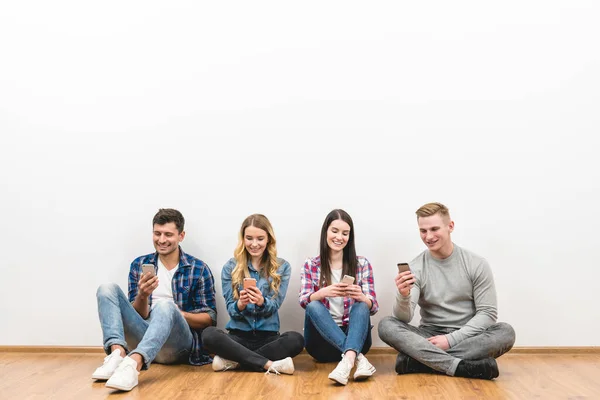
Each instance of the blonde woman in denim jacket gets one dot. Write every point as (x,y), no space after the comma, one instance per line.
(253,341)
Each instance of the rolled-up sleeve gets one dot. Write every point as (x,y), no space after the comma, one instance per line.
(271,304)
(368,284)
(307,284)
(230,301)
(204,295)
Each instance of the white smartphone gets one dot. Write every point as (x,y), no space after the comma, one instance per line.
(348,279)
(148,269)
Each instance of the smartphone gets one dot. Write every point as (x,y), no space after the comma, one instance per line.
(249,282)
(403,267)
(348,279)
(148,268)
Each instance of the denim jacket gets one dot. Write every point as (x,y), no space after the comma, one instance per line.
(253,317)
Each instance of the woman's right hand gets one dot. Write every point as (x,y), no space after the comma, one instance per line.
(243,300)
(334,290)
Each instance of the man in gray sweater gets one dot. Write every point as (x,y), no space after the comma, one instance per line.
(454,288)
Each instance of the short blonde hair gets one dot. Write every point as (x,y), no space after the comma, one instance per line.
(429,209)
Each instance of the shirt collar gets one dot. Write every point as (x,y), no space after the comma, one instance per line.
(251,267)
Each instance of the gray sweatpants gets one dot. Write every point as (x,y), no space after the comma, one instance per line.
(412,341)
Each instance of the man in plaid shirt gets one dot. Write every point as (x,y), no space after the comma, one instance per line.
(171,300)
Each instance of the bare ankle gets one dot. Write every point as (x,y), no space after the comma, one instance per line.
(350,356)
(138,359)
(118,347)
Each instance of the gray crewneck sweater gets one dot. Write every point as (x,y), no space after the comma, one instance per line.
(457,292)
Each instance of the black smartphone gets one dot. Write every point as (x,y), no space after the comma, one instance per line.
(403,267)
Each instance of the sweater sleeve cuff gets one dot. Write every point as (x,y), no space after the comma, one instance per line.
(451,340)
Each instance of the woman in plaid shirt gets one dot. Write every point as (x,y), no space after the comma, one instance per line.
(337,321)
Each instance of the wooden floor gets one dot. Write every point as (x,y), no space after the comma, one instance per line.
(522,376)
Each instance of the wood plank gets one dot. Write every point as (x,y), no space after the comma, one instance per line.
(557,350)
(67,376)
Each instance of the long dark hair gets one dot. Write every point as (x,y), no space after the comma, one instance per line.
(349,257)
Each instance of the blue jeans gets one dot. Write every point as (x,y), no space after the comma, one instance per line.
(325,341)
(165,336)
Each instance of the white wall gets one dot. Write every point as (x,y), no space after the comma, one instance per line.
(111,110)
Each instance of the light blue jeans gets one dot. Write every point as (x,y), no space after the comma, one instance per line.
(356,337)
(165,336)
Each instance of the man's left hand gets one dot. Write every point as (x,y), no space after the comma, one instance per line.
(439,341)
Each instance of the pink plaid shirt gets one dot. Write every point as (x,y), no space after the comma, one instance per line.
(311,280)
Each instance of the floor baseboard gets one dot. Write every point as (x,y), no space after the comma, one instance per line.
(51,349)
(374,350)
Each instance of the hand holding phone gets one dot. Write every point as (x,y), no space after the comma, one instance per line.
(333,290)
(405,279)
(254,294)
(348,280)
(148,281)
(148,269)
(353,291)
(403,267)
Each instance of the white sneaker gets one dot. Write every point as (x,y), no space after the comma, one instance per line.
(111,362)
(285,366)
(222,364)
(341,373)
(125,376)
(364,368)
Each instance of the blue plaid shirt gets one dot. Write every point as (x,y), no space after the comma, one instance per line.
(193,291)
